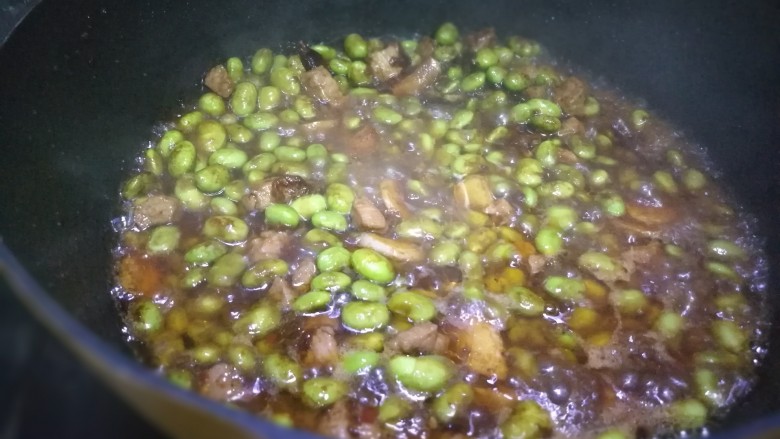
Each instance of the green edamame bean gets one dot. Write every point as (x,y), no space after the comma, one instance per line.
(332,281)
(562,217)
(261,61)
(268,98)
(242,357)
(326,52)
(365,316)
(548,124)
(729,336)
(223,206)
(473,82)
(368,291)
(226,270)
(612,204)
(163,239)
(244,99)
(485,57)
(355,46)
(282,370)
(339,198)
(694,180)
(445,253)
(281,215)
(453,402)
(258,321)
(548,241)
(189,195)
(427,373)
(419,228)
(261,121)
(466,164)
(312,301)
(230,158)
(529,172)
(323,392)
(629,301)
(566,289)
(290,154)
(688,413)
(205,252)
(212,178)
(525,302)
(182,158)
(527,421)
(153,162)
(284,79)
(599,264)
(724,250)
(235,69)
(461,119)
(612,434)
(359,361)
(446,34)
(414,306)
(333,259)
(373,266)
(669,324)
(386,115)
(308,205)
(168,141)
(147,317)
(189,121)
(193,277)
(639,119)
(264,272)
(212,104)
(226,228)
(329,220)
(707,388)
(393,408)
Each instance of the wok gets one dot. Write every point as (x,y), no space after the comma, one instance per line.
(83,82)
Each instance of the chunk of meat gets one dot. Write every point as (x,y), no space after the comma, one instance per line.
(269,245)
(484,349)
(155,210)
(501,211)
(335,422)
(281,291)
(640,255)
(480,39)
(571,125)
(367,215)
(423,76)
(259,195)
(139,275)
(571,95)
(392,248)
(364,141)
(387,63)
(281,189)
(368,431)
(288,187)
(536,263)
(393,198)
(218,81)
(222,382)
(323,348)
(303,274)
(319,130)
(655,215)
(320,321)
(423,338)
(319,84)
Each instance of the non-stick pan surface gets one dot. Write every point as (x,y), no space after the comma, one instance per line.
(82,84)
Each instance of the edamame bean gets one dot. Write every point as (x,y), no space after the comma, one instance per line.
(226,228)
(322,391)
(210,136)
(548,241)
(368,291)
(261,121)
(284,79)
(163,239)
(282,370)
(189,121)
(329,220)
(446,34)
(205,252)
(333,259)
(373,266)
(242,357)
(223,206)
(525,302)
(264,272)
(393,408)
(729,336)
(168,141)
(688,413)
(566,289)
(414,306)
(355,46)
(230,158)
(386,115)
(281,215)
(261,61)
(629,301)
(445,253)
(360,361)
(268,98)
(312,301)
(226,270)
(365,316)
(192,199)
(182,158)
(147,317)
(339,198)
(527,421)
(452,402)
(235,69)
(244,99)
(258,321)
(212,178)
(427,373)
(212,104)
(473,82)
(724,250)
(332,281)
(308,205)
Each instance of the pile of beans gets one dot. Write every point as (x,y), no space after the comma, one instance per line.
(440,237)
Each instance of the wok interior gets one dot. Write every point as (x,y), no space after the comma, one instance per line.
(80,98)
